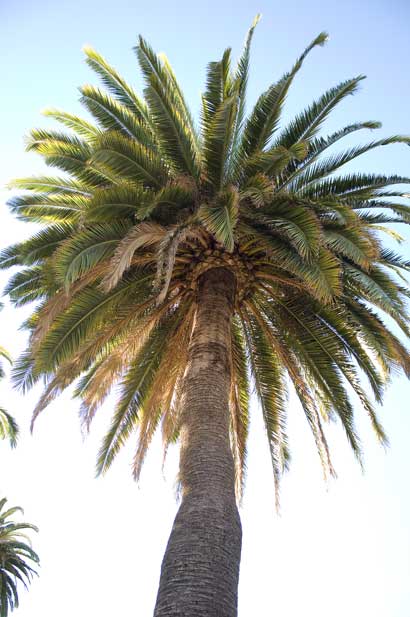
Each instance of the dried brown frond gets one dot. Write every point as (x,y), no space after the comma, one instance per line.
(163,388)
(143,234)
(118,359)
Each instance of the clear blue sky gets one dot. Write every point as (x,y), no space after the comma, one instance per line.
(341,551)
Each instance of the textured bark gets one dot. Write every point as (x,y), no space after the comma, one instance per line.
(200,569)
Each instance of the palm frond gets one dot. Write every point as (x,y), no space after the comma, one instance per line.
(325,167)
(88,311)
(135,389)
(84,250)
(239,404)
(114,116)
(48,208)
(8,428)
(125,201)
(116,85)
(306,125)
(269,378)
(173,362)
(220,217)
(129,160)
(37,248)
(218,141)
(265,116)
(351,187)
(26,286)
(169,111)
(141,235)
(43,184)
(318,145)
(78,125)
(240,78)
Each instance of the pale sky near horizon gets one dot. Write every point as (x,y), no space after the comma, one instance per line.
(341,549)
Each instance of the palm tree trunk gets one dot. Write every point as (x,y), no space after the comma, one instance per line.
(200,569)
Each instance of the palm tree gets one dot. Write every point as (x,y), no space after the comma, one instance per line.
(8,426)
(16,558)
(186,264)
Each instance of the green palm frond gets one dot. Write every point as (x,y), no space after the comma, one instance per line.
(48,208)
(264,118)
(402,210)
(320,278)
(129,160)
(116,85)
(37,248)
(378,288)
(68,152)
(352,186)
(24,376)
(78,125)
(114,116)
(8,428)
(319,351)
(220,218)
(169,111)
(26,285)
(125,201)
(287,349)
(81,252)
(218,88)
(273,162)
(298,225)
(62,186)
(325,167)
(42,141)
(218,141)
(240,79)
(307,124)
(356,245)
(86,313)
(319,145)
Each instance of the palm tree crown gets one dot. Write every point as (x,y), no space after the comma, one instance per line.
(148,203)
(16,558)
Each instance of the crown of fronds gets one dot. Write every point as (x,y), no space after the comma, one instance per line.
(148,201)
(16,558)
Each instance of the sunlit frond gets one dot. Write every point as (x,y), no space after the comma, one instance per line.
(172,119)
(264,118)
(307,124)
(135,390)
(116,85)
(8,428)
